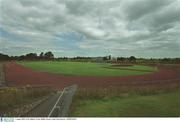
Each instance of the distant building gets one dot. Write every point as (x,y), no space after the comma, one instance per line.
(113,58)
(97,59)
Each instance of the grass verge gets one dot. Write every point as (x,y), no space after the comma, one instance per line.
(118,103)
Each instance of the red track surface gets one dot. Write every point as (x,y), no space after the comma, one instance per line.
(17,75)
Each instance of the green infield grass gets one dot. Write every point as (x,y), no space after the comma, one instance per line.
(86,68)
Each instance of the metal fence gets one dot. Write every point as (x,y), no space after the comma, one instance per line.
(62,105)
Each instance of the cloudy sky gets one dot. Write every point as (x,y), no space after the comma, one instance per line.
(143,28)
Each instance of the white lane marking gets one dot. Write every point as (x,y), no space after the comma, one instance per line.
(56,104)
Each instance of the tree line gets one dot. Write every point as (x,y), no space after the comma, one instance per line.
(30,56)
(50,56)
(123,59)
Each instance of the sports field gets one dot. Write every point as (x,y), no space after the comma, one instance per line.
(88,69)
(143,91)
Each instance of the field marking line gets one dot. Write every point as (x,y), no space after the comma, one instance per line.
(56,103)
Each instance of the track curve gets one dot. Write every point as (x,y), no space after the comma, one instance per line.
(18,75)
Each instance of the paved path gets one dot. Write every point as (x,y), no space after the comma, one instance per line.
(55,106)
(44,108)
(65,102)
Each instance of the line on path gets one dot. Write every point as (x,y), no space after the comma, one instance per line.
(49,115)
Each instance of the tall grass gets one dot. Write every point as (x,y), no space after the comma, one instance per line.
(12,96)
(123,91)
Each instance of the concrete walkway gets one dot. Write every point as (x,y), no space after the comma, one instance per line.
(44,108)
(56,105)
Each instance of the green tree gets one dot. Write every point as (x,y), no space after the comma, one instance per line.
(122,59)
(132,59)
(31,56)
(41,56)
(49,55)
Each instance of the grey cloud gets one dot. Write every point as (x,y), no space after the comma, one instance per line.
(161,20)
(140,8)
(119,27)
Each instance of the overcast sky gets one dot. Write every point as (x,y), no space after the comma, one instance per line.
(143,28)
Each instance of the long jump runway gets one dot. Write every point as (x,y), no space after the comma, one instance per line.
(18,75)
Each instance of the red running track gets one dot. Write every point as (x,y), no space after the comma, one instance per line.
(18,75)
